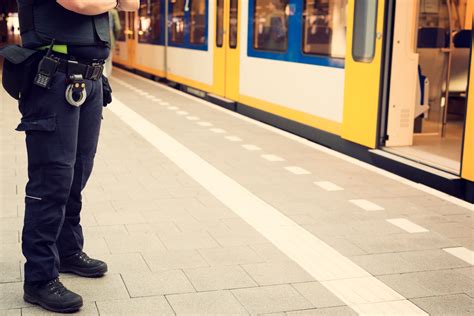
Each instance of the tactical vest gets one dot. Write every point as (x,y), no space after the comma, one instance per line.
(44,20)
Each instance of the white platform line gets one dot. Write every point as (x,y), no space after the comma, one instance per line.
(173,108)
(192,118)
(306,142)
(462,253)
(164,103)
(205,124)
(233,138)
(182,113)
(251,147)
(217,130)
(407,225)
(297,170)
(328,186)
(319,259)
(272,158)
(367,205)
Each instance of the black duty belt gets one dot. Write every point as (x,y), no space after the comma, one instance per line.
(91,71)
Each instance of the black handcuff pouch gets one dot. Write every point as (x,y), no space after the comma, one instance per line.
(107,91)
(19,67)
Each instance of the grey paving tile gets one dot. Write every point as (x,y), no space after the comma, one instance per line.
(269,252)
(10,237)
(11,295)
(206,303)
(318,295)
(193,240)
(89,309)
(401,242)
(219,278)
(116,218)
(459,304)
(402,262)
(429,283)
(157,283)
(453,230)
(271,299)
(95,246)
(230,256)
(10,252)
(109,287)
(467,242)
(277,273)
(96,232)
(332,311)
(234,237)
(10,271)
(134,243)
(166,227)
(174,259)
(10,312)
(156,305)
(125,262)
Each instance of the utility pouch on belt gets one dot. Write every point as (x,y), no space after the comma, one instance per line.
(19,69)
(107,91)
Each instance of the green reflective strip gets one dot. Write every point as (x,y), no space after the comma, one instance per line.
(62,49)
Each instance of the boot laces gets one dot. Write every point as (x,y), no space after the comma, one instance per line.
(55,286)
(84,257)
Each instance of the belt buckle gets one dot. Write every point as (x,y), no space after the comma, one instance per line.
(97,70)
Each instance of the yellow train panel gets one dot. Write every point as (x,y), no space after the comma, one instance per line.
(468,156)
(362,86)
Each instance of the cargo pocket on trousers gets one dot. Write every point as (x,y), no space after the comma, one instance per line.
(47,124)
(42,140)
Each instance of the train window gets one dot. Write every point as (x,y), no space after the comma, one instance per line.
(271,25)
(324,27)
(365,27)
(149,28)
(177,21)
(121,35)
(233,23)
(197,22)
(220,23)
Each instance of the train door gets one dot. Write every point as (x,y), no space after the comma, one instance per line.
(226,49)
(125,45)
(365,25)
(429,77)
(468,153)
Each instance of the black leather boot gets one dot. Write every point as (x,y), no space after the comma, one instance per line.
(52,296)
(82,265)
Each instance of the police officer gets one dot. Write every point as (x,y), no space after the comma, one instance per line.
(61,116)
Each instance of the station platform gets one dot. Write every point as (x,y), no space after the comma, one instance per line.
(199,210)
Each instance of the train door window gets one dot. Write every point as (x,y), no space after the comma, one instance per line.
(220,23)
(365,24)
(121,36)
(324,23)
(198,22)
(233,23)
(177,21)
(271,25)
(150,22)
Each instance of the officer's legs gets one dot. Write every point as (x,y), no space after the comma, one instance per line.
(51,127)
(71,240)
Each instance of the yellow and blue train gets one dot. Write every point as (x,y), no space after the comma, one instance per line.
(386,81)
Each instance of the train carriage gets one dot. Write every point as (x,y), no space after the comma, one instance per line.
(386,81)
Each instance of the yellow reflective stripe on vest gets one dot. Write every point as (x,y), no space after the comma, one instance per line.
(62,49)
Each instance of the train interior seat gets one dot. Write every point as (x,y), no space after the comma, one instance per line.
(433,62)
(460,62)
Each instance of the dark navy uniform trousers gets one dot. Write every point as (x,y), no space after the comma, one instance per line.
(61,142)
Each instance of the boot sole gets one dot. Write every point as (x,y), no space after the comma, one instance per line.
(99,272)
(29,299)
